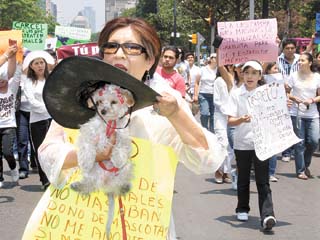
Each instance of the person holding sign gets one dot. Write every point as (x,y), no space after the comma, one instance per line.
(304,90)
(245,151)
(130,49)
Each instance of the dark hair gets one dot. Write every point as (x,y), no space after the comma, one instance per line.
(31,73)
(148,35)
(269,66)
(173,49)
(317,55)
(181,54)
(188,54)
(310,60)
(287,42)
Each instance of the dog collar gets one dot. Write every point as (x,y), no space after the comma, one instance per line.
(113,169)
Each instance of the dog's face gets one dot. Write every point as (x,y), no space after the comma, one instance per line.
(112,101)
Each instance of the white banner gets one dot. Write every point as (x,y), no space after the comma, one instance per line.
(271,122)
(73,32)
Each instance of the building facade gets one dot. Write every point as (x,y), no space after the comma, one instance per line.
(114,8)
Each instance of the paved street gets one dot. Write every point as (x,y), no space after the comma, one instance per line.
(202,209)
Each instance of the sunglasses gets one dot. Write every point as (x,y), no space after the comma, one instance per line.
(133,49)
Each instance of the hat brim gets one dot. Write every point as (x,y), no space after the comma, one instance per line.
(61,90)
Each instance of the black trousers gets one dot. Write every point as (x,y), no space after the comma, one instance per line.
(244,159)
(7,138)
(38,133)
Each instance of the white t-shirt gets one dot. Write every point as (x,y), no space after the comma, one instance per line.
(239,106)
(207,77)
(25,104)
(7,103)
(33,92)
(146,124)
(194,72)
(304,89)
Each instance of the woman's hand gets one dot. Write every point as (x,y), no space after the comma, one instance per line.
(106,153)
(296,99)
(166,105)
(11,51)
(308,101)
(289,103)
(245,118)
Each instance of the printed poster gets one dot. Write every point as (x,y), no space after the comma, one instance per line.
(85,49)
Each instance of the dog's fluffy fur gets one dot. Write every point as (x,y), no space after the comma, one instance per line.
(112,103)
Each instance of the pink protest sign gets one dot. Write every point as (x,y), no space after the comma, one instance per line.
(248,40)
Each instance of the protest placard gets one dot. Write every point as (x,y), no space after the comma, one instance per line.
(271,122)
(6,36)
(73,32)
(248,40)
(66,214)
(33,34)
(86,49)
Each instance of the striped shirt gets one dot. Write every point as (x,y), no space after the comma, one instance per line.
(287,68)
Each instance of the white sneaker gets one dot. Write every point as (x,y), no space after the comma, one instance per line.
(268,223)
(234,177)
(242,216)
(1,184)
(272,178)
(285,159)
(15,175)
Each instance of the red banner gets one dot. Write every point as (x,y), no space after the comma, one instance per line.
(84,49)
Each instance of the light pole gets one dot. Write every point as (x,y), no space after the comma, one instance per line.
(251,7)
(174,23)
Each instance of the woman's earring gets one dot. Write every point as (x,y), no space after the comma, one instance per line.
(148,76)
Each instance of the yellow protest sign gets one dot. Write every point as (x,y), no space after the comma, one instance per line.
(64,214)
(15,35)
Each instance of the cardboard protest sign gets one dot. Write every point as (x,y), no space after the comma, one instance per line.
(248,40)
(271,122)
(65,214)
(73,32)
(86,49)
(8,36)
(33,34)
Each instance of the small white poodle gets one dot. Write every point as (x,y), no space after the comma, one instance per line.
(113,176)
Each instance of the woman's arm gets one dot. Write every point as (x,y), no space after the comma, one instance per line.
(196,88)
(225,74)
(189,132)
(234,121)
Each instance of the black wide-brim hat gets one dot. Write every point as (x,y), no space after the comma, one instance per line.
(65,88)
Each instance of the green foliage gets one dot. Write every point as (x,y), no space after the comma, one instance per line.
(23,11)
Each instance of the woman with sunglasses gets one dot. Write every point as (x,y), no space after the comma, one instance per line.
(133,46)
(304,90)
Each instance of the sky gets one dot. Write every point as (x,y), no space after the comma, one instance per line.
(68,9)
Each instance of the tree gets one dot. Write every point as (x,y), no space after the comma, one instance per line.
(24,11)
